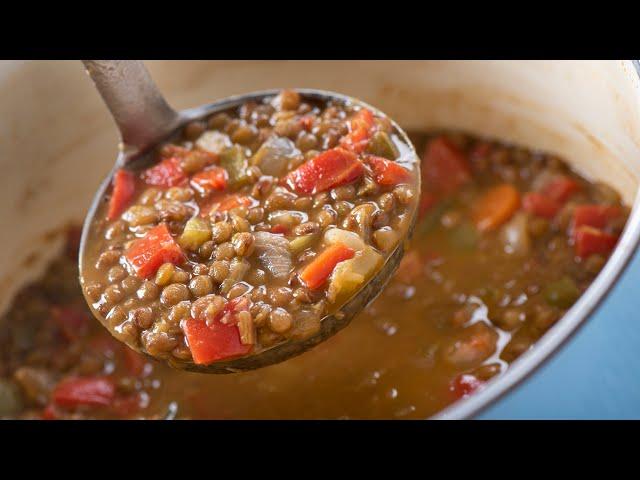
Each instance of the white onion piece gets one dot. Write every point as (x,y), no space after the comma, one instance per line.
(515,235)
(274,155)
(273,253)
(214,142)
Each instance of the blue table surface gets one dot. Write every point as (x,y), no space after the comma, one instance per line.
(596,375)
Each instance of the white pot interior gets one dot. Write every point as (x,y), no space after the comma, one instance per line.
(57,140)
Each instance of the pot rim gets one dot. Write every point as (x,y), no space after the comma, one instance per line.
(561,332)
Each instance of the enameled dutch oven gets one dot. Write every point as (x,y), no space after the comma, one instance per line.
(57,142)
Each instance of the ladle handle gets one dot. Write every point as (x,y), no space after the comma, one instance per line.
(142,114)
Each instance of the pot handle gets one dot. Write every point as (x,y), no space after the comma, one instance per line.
(140,111)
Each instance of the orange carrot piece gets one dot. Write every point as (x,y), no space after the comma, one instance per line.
(318,271)
(496,207)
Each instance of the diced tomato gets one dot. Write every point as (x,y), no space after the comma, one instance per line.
(464,385)
(124,188)
(387,172)
(146,254)
(84,391)
(279,229)
(224,203)
(361,129)
(540,205)
(560,188)
(135,362)
(210,343)
(329,169)
(167,173)
(73,321)
(218,341)
(444,167)
(597,216)
(206,181)
(318,271)
(590,240)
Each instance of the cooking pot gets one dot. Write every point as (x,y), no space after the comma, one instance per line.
(57,142)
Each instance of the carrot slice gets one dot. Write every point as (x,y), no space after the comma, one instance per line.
(540,205)
(590,240)
(387,172)
(496,207)
(329,169)
(444,167)
(318,271)
(146,254)
(124,187)
(167,173)
(206,181)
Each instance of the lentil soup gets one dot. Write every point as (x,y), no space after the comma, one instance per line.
(250,228)
(507,240)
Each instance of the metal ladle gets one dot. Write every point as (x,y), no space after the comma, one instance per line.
(145,119)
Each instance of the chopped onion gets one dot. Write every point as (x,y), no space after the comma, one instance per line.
(274,155)
(214,142)
(273,253)
(515,235)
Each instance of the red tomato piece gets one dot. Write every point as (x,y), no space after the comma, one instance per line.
(329,169)
(84,391)
(167,173)
(540,205)
(464,385)
(146,254)
(361,129)
(224,203)
(596,216)
(444,167)
(561,188)
(590,240)
(387,172)
(210,343)
(213,178)
(124,188)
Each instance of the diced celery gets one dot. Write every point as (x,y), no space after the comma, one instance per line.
(234,161)
(350,275)
(299,244)
(195,233)
(561,293)
(382,146)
